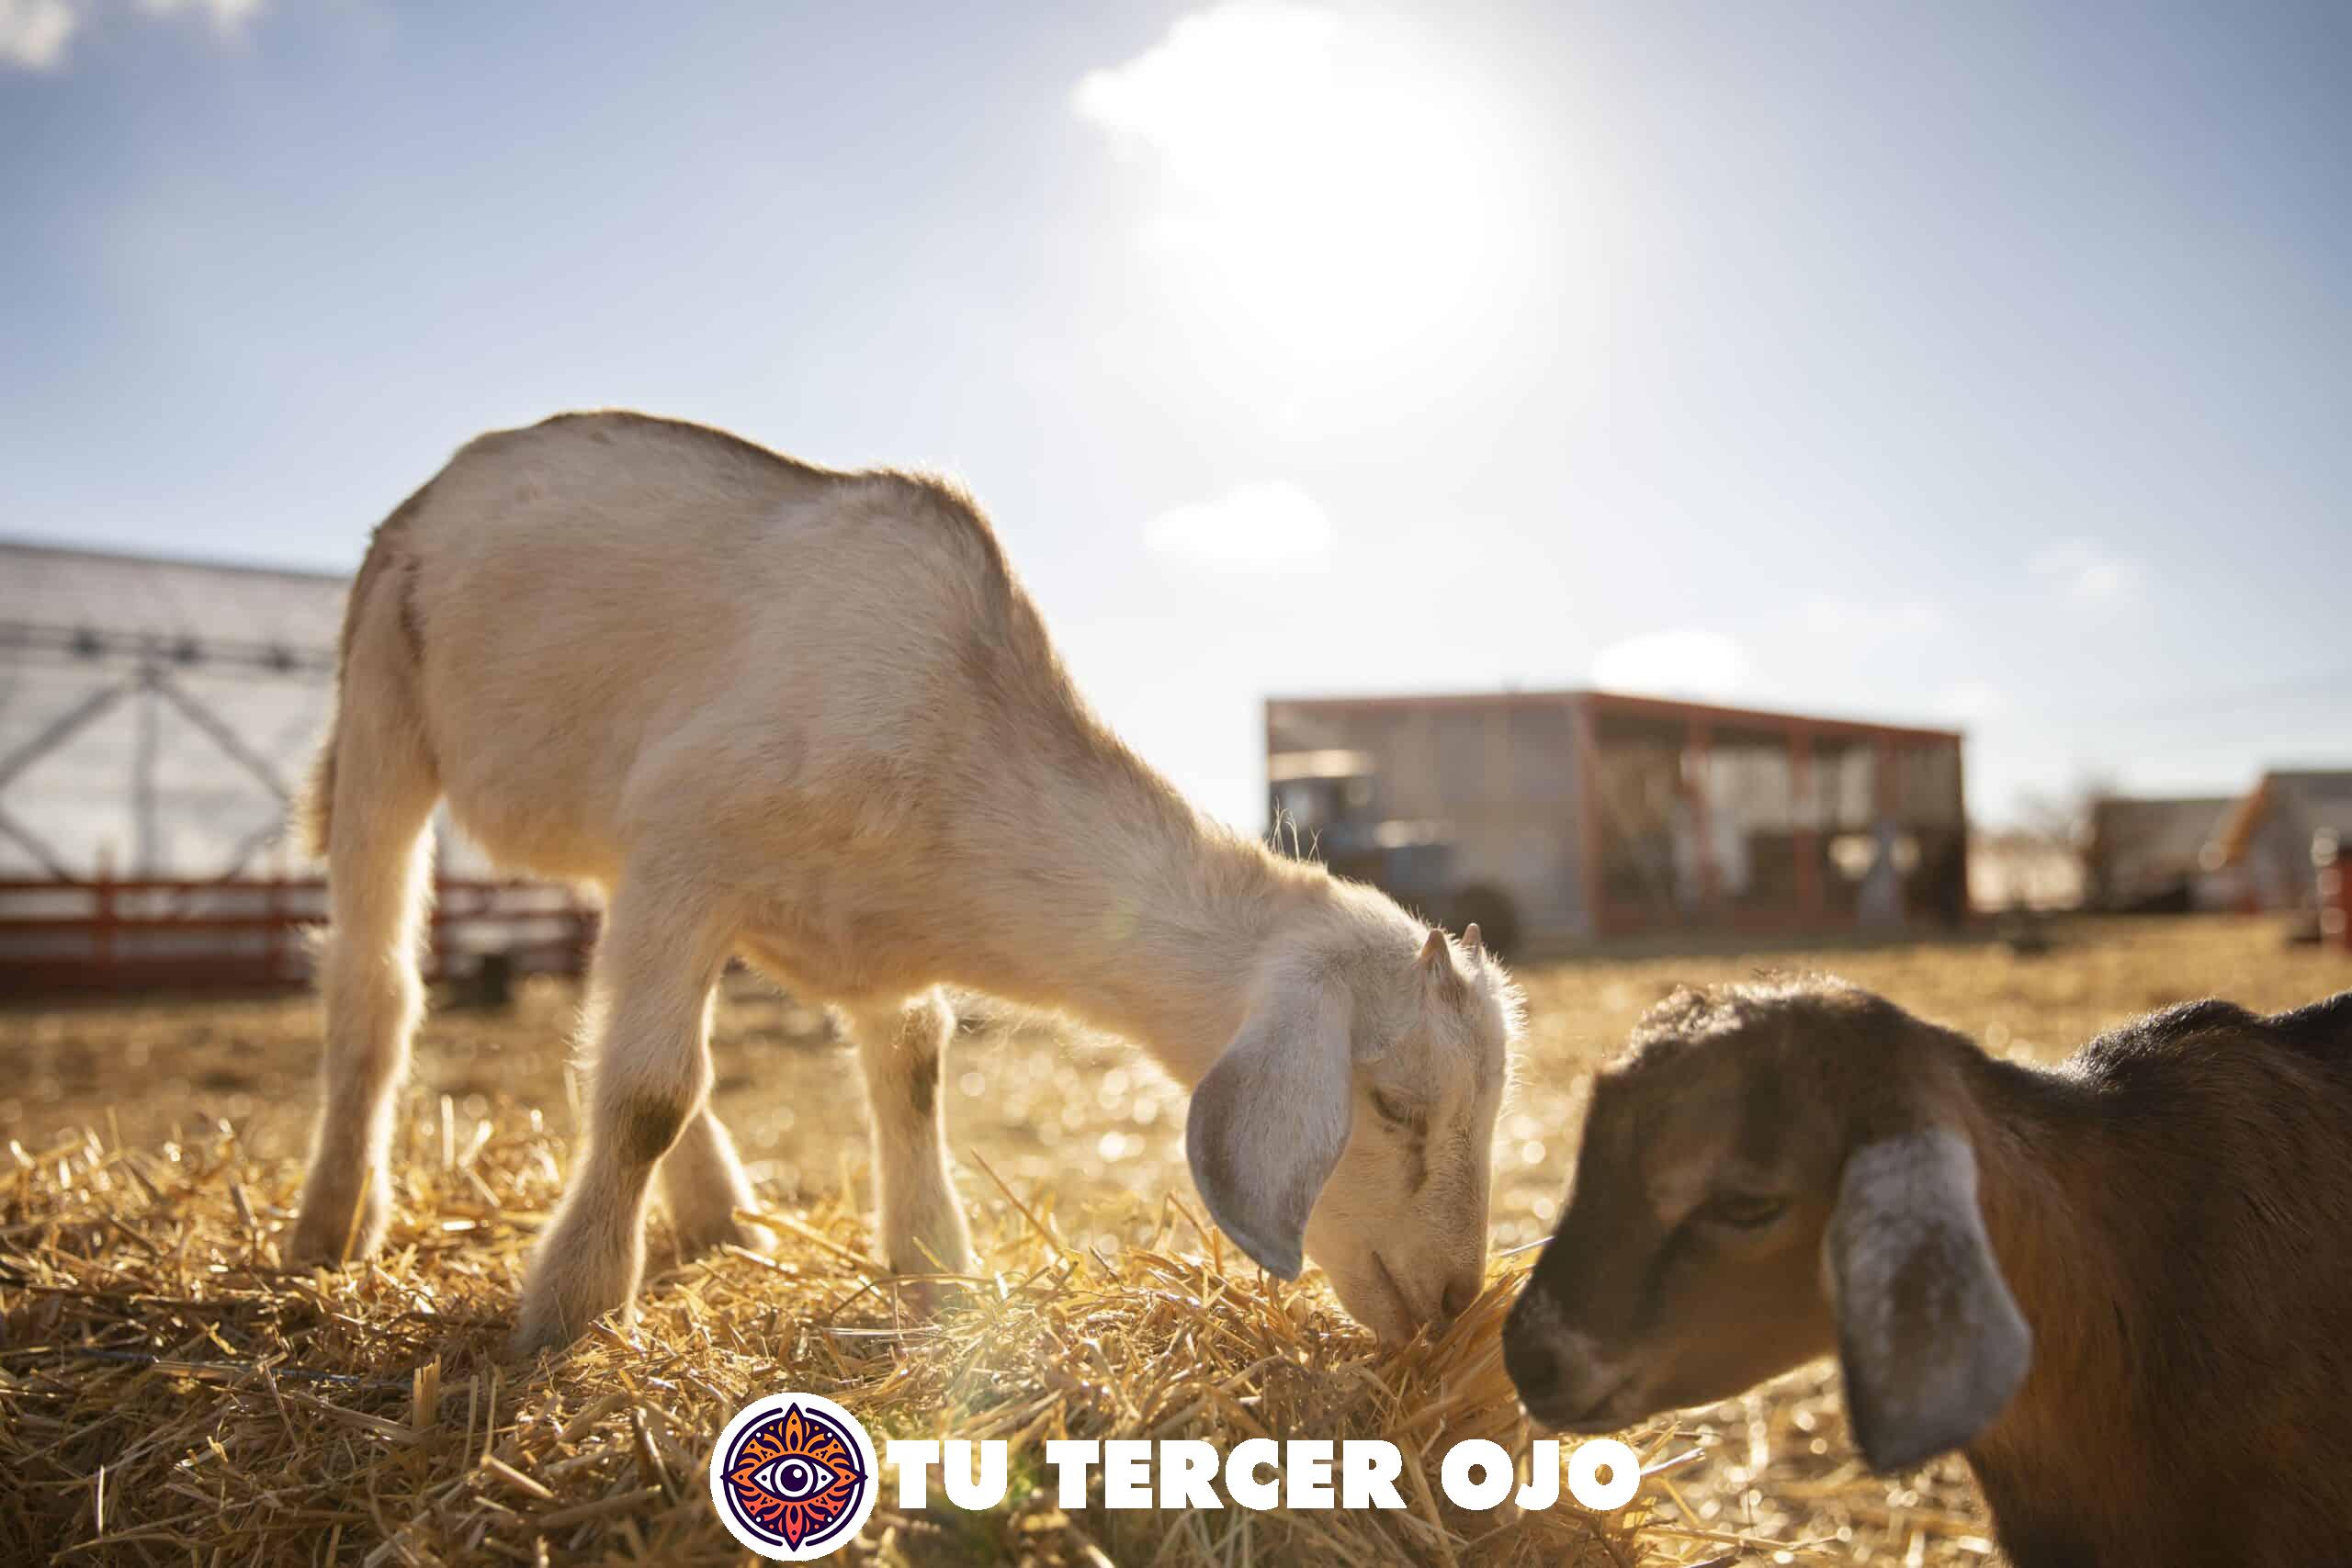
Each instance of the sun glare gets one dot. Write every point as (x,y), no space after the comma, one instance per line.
(1326,183)
(1258,525)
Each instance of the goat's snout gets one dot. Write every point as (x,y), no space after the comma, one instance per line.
(1533,1367)
(1560,1376)
(1461,1291)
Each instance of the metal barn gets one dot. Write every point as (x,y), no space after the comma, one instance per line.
(155,717)
(1560,818)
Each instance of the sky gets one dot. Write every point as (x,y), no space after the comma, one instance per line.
(1986,365)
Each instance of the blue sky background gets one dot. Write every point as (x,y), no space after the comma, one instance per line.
(1986,364)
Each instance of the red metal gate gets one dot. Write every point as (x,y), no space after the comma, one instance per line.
(254,934)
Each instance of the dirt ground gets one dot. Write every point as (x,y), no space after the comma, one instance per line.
(1087,1120)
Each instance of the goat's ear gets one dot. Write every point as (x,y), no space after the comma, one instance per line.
(1437,964)
(1269,1123)
(1931,1340)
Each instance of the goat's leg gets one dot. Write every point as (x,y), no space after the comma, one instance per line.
(655,965)
(380,871)
(903,1050)
(702,1186)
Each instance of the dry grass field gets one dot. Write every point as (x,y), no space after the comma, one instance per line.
(168,1394)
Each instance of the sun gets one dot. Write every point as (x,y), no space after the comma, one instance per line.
(1327,184)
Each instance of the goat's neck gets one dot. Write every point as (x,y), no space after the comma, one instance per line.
(1193,935)
(2055,1172)
(1128,910)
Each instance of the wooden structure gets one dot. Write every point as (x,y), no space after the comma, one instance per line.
(1596,815)
(2145,855)
(2265,849)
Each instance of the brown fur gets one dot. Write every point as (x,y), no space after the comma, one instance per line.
(2170,1209)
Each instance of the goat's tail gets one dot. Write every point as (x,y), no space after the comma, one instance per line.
(377,677)
(370,806)
(314,806)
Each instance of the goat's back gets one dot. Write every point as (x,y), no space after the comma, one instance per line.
(613,613)
(2319,1034)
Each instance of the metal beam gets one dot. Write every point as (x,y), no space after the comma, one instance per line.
(251,845)
(60,727)
(10,828)
(146,816)
(87,645)
(224,737)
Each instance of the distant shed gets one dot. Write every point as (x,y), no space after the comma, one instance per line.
(2152,854)
(2263,850)
(1583,815)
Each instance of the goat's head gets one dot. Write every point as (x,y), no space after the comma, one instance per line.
(1351,1117)
(1770,1174)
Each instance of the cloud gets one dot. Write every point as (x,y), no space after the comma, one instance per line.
(226,15)
(2086,571)
(1685,662)
(1238,100)
(1258,525)
(1973,701)
(1833,617)
(34,33)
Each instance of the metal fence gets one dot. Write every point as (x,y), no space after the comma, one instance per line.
(106,935)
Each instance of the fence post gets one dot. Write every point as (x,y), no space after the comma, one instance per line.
(2334,889)
(273,936)
(435,928)
(102,932)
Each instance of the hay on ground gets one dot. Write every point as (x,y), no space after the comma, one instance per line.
(169,1389)
(169,1394)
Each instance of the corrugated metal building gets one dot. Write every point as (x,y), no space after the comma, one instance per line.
(1564,817)
(155,717)
(154,713)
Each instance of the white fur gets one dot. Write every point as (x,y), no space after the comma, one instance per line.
(811,719)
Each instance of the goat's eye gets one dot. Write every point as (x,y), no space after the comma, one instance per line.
(1744,1211)
(1395,1111)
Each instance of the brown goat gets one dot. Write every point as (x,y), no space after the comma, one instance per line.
(2121,1287)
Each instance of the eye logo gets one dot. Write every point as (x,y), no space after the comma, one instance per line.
(793,1477)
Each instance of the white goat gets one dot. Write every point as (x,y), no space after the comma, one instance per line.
(811,718)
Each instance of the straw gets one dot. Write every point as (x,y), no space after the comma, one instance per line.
(169,1392)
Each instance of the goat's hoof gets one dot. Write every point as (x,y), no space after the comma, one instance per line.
(336,1228)
(529,1338)
(929,1298)
(695,1240)
(558,1308)
(927,1293)
(541,1325)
